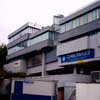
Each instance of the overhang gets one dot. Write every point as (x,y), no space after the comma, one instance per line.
(35,47)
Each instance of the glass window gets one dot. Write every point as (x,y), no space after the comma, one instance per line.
(90,16)
(97,13)
(94,15)
(38,39)
(85,19)
(62,28)
(69,25)
(52,36)
(18,47)
(82,20)
(20,34)
(76,22)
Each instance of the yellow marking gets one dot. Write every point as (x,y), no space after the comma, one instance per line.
(80,61)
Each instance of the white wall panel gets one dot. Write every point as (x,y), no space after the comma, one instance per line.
(39,88)
(72,46)
(88,91)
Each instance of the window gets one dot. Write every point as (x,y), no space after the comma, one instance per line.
(18,47)
(69,25)
(40,38)
(23,32)
(97,13)
(76,22)
(90,16)
(93,15)
(62,28)
(35,60)
(52,36)
(85,19)
(82,20)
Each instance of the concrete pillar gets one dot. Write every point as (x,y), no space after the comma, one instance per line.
(74,70)
(43,65)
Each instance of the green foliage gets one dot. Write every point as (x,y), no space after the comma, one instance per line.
(3,54)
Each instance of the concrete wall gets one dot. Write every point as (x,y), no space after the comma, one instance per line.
(16,66)
(67,79)
(87,91)
(37,69)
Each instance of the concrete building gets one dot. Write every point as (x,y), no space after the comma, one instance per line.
(68,51)
(79,43)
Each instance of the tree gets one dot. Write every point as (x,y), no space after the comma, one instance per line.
(3,54)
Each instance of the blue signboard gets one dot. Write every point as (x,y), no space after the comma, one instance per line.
(85,54)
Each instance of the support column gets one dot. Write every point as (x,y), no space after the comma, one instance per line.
(74,70)
(43,65)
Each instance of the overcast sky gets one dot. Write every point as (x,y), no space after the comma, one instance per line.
(15,13)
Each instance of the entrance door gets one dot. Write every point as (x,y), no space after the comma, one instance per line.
(61,93)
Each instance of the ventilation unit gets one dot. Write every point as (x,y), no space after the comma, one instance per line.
(95,76)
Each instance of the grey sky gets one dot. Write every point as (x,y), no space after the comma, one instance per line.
(15,13)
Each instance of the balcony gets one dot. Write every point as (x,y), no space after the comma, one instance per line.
(35,47)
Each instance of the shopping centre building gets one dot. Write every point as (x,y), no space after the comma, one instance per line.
(67,51)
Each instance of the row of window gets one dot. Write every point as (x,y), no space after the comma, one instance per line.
(27,30)
(47,35)
(93,15)
(38,39)
(18,47)
(25,44)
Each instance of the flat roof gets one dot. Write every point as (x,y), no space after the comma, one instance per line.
(81,12)
(28,24)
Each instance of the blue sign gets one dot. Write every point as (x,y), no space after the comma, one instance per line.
(81,55)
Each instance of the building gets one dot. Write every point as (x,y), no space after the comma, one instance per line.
(79,43)
(68,51)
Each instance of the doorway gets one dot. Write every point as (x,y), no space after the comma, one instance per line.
(61,93)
